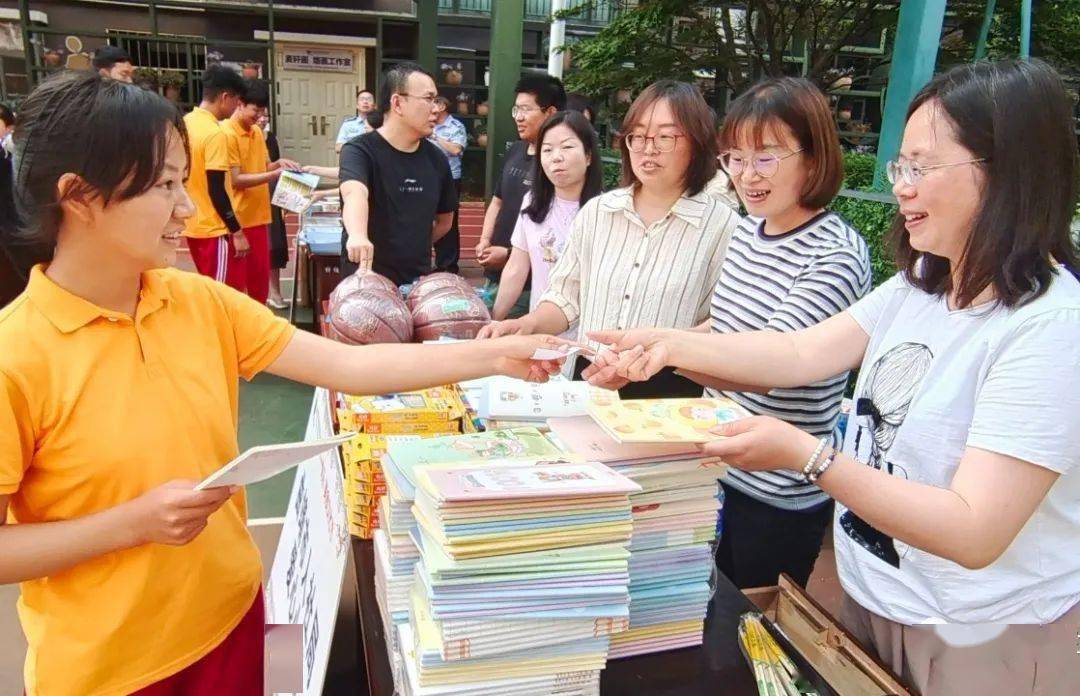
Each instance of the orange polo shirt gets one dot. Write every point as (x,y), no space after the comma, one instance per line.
(209,150)
(97,408)
(247,150)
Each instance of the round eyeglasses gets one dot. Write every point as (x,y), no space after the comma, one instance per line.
(765,164)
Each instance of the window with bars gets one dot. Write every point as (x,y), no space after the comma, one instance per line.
(164,52)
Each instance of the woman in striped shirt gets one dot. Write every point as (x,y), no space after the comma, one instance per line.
(790,265)
(647,254)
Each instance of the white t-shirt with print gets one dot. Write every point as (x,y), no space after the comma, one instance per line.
(938,381)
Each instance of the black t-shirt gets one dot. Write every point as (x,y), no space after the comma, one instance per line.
(406,190)
(514,181)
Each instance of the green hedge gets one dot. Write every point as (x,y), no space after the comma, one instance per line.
(872,220)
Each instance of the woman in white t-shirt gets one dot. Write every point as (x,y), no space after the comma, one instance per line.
(566,176)
(958,487)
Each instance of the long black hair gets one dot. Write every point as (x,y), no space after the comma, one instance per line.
(111,134)
(542,194)
(1016,115)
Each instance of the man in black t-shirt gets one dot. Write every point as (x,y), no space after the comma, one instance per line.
(397,194)
(538,96)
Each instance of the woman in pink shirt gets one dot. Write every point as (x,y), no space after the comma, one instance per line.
(566,175)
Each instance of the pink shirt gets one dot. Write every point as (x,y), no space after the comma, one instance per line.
(543,241)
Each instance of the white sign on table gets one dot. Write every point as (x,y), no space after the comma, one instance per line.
(305,580)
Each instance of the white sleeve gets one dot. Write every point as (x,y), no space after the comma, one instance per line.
(1028,406)
(867,311)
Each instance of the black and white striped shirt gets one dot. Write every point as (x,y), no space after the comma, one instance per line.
(785,283)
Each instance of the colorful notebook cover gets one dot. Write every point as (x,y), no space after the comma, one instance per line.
(479,483)
(665,420)
(583,435)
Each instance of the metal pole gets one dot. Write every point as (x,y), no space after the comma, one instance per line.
(557,39)
(984,32)
(1025,29)
(153,19)
(506,38)
(28,46)
(427,35)
(918,34)
(270,64)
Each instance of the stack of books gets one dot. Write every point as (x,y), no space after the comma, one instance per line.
(505,402)
(674,521)
(395,516)
(379,420)
(523,577)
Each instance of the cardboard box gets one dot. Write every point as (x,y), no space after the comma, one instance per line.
(841,660)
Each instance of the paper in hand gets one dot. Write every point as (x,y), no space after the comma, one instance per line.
(262,462)
(555,353)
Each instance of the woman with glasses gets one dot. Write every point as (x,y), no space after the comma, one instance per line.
(958,486)
(647,254)
(791,264)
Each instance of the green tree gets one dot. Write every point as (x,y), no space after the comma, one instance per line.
(730,44)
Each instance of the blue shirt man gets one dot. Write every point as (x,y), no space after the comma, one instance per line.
(449,134)
(356,125)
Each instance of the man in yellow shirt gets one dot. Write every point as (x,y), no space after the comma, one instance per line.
(214,235)
(251,171)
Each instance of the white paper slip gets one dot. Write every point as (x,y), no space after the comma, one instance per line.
(555,353)
(262,462)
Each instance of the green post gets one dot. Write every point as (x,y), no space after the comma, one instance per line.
(1025,29)
(984,32)
(28,45)
(427,12)
(506,22)
(918,34)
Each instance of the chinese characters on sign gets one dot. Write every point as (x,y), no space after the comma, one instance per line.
(319,59)
(305,580)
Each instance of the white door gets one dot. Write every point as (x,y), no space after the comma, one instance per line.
(311,106)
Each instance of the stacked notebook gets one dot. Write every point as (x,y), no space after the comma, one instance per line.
(506,402)
(523,577)
(674,520)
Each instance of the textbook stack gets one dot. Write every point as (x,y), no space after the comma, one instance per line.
(505,402)
(395,508)
(523,577)
(674,520)
(379,420)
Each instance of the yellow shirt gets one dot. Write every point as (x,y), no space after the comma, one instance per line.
(209,150)
(247,150)
(96,409)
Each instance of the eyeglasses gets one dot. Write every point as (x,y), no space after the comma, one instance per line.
(522,111)
(765,164)
(429,98)
(911,172)
(665,142)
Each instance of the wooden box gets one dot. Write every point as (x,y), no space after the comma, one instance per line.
(840,659)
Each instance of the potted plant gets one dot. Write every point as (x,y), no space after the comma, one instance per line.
(463,103)
(172,82)
(482,109)
(481,134)
(452,74)
(147,78)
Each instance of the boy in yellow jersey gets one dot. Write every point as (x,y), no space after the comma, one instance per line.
(250,172)
(214,236)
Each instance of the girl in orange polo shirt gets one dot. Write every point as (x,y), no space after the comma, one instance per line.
(118,391)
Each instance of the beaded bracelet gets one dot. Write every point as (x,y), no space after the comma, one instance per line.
(813,477)
(809,468)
